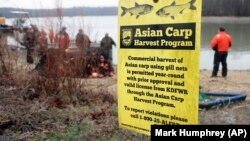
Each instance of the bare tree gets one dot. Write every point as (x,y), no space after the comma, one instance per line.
(59,12)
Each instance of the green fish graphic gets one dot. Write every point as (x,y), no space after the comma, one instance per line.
(137,10)
(173,9)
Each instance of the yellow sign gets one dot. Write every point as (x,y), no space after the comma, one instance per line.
(158,63)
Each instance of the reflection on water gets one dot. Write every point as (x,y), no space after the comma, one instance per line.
(239,29)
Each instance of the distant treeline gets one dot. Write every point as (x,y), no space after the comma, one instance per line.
(76,11)
(226,8)
(209,8)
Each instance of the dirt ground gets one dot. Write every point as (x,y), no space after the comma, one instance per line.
(92,107)
(237,82)
(235,113)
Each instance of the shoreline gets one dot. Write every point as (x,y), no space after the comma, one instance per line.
(236,82)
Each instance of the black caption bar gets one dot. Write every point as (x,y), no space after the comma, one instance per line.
(160,36)
(201,132)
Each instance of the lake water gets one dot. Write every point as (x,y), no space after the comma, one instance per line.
(239,29)
(97,26)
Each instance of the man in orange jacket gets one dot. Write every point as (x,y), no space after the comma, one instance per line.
(51,36)
(221,43)
(62,42)
(62,39)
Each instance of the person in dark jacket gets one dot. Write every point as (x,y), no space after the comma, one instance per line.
(92,64)
(82,43)
(106,47)
(82,40)
(29,40)
(42,42)
(221,43)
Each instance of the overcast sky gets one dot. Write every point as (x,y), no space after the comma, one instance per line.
(36,4)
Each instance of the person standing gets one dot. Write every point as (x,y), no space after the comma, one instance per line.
(51,36)
(62,41)
(42,42)
(221,43)
(82,41)
(29,40)
(106,46)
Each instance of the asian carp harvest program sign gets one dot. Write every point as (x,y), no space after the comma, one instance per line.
(158,63)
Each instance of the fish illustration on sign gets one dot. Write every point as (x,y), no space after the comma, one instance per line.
(137,10)
(173,9)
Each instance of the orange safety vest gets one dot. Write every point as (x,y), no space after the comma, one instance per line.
(51,35)
(62,41)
